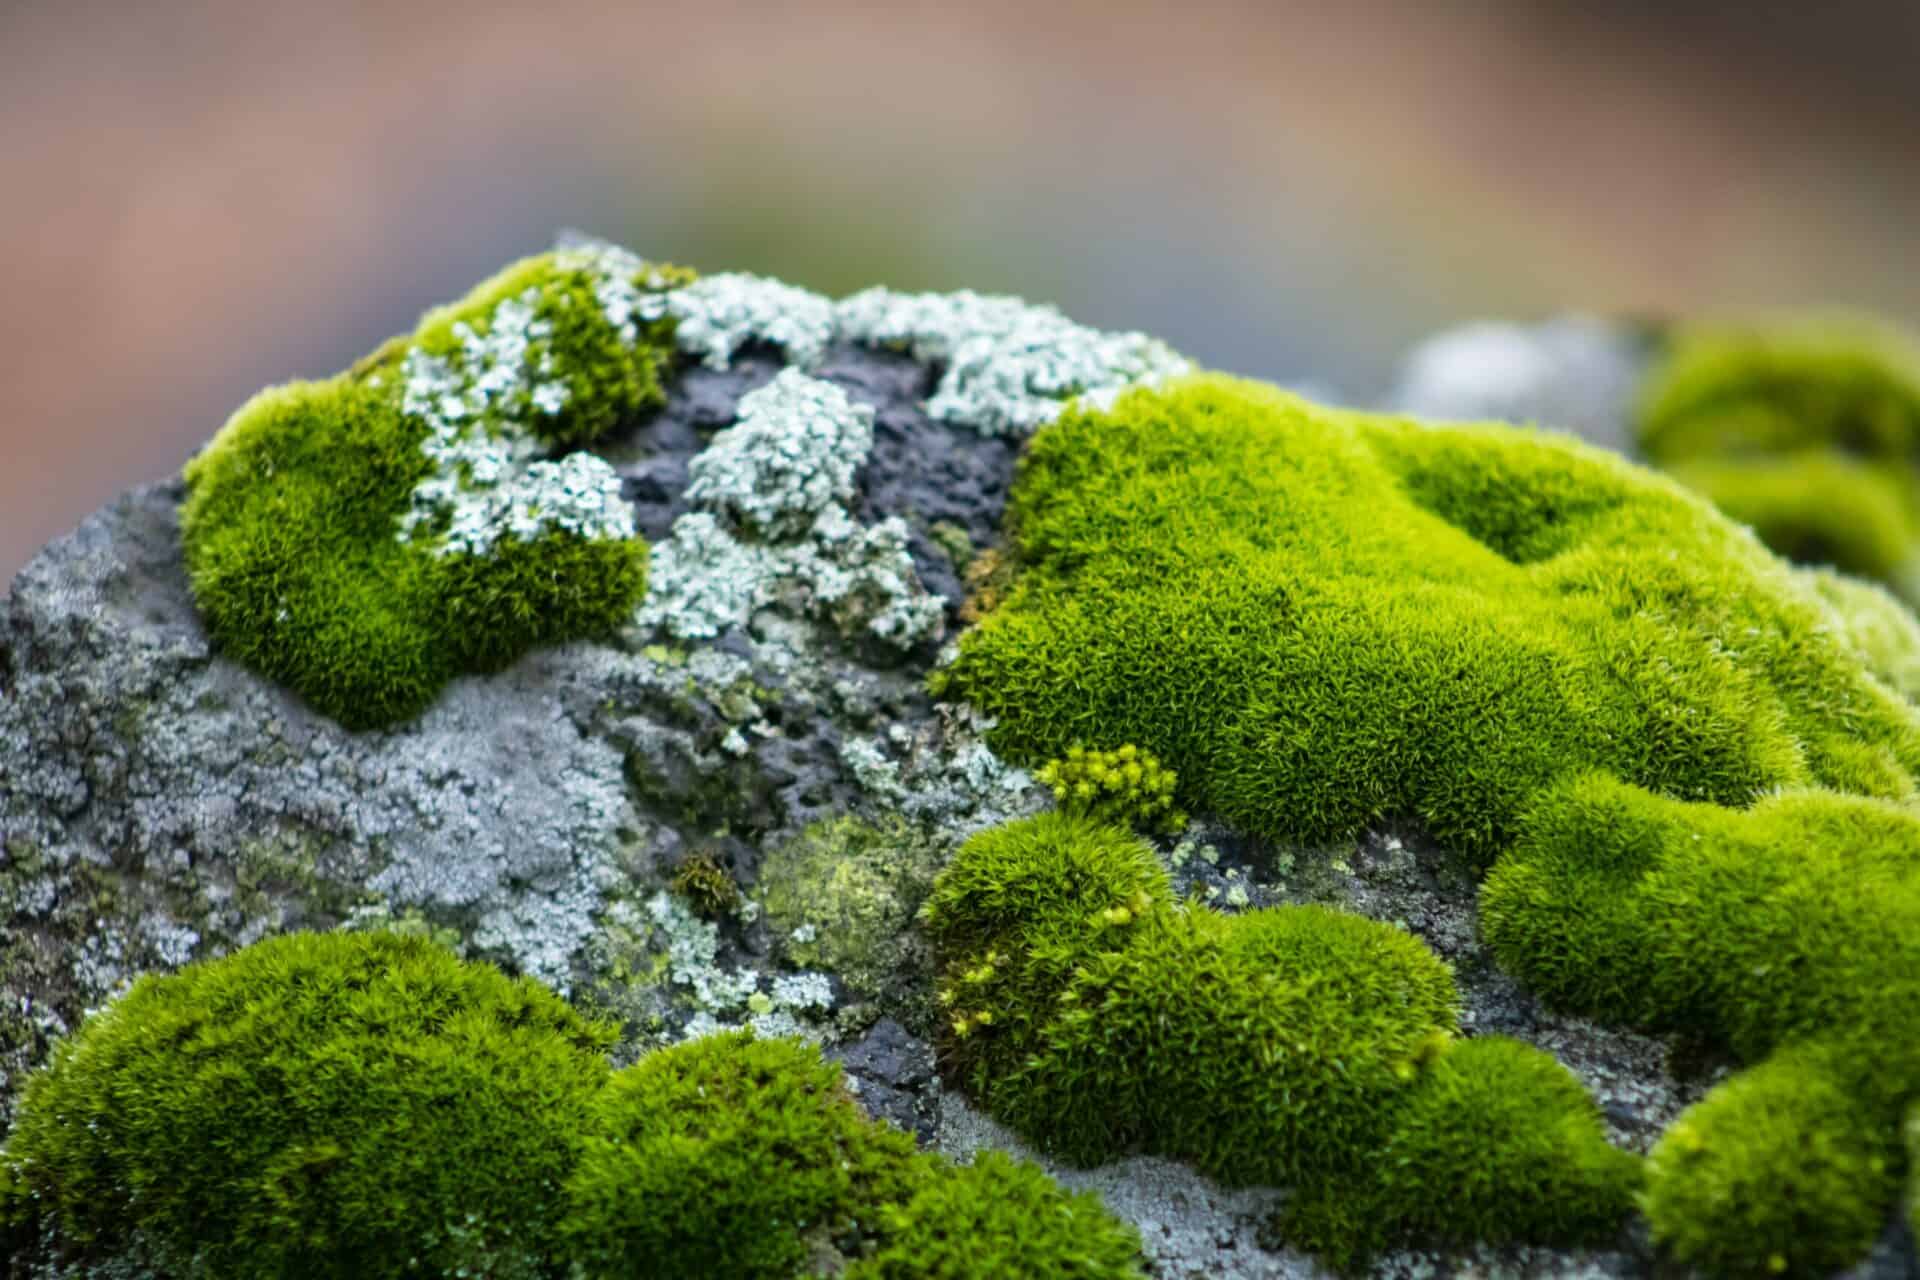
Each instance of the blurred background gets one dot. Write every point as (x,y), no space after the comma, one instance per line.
(197,200)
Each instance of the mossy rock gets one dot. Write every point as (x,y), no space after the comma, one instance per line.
(1806,428)
(366,538)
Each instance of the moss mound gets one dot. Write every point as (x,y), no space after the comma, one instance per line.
(1000,1217)
(367,1104)
(722,1156)
(1295,1045)
(1789,932)
(366,538)
(1808,429)
(1319,619)
(318,1104)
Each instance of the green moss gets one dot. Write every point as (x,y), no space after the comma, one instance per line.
(1808,429)
(1882,632)
(1320,619)
(1296,1045)
(1490,1118)
(1126,786)
(1004,1218)
(292,521)
(722,1156)
(1790,933)
(313,1105)
(841,897)
(1782,1170)
(368,1105)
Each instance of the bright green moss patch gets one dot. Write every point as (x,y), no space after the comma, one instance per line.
(1781,1170)
(1882,632)
(1806,429)
(366,538)
(1791,933)
(1296,1045)
(1320,619)
(320,1104)
(722,1156)
(1000,1217)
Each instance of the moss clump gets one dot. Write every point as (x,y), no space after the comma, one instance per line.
(368,1105)
(702,881)
(1490,1118)
(318,1104)
(841,897)
(1781,1170)
(1295,1045)
(1127,786)
(1882,632)
(1790,933)
(1807,429)
(1320,619)
(1000,1217)
(722,1156)
(366,538)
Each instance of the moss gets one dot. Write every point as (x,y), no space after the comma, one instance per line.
(1321,619)
(1490,1117)
(1295,1045)
(702,881)
(1126,786)
(1790,933)
(841,896)
(313,1104)
(317,524)
(1000,1217)
(1781,1170)
(1806,428)
(366,1104)
(1883,633)
(721,1156)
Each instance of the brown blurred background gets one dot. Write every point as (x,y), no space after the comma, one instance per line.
(200,199)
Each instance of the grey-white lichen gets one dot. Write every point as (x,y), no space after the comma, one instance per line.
(719,314)
(1009,366)
(792,451)
(489,479)
(771,531)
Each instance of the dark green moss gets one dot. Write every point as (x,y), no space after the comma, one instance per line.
(292,517)
(722,1157)
(1294,1045)
(1003,1218)
(1807,429)
(368,1105)
(1321,619)
(318,1104)
(710,887)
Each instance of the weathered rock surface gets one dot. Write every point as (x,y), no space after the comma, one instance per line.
(160,804)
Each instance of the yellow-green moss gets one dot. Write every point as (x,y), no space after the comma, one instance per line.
(292,520)
(1320,619)
(1126,786)
(1296,1045)
(1806,428)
